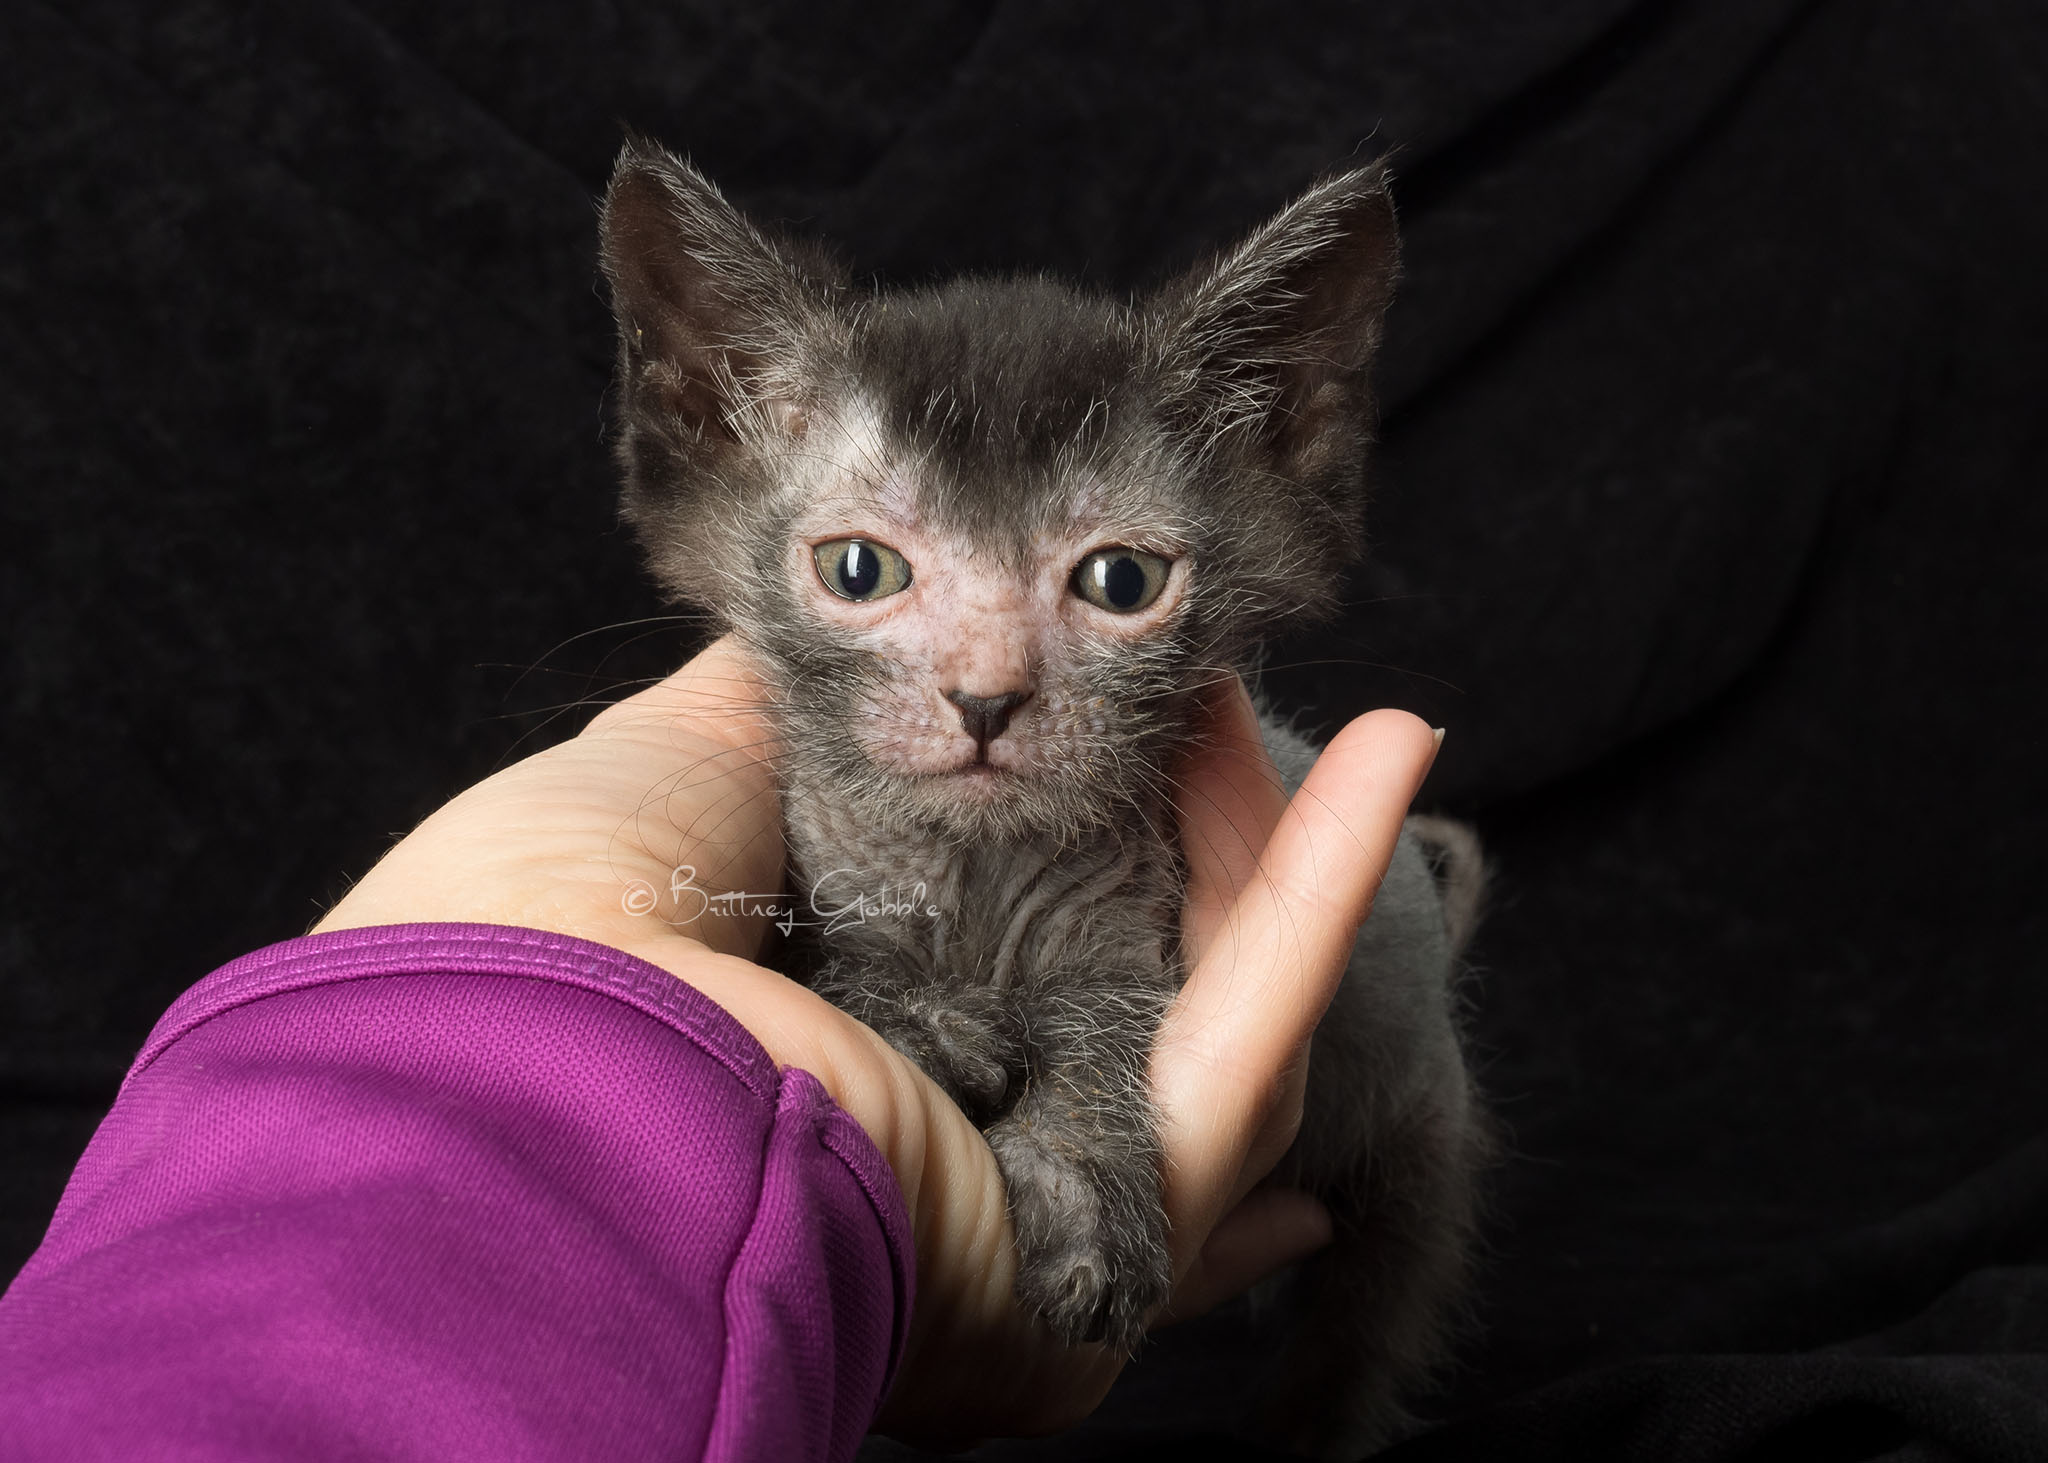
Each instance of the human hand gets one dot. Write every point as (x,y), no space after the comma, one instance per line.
(584,839)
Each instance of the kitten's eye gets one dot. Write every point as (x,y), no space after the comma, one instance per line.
(1121,581)
(860,569)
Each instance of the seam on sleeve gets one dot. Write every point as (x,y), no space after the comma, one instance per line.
(720,1406)
(468,949)
(847,1141)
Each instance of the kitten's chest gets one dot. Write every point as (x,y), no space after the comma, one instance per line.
(1020,914)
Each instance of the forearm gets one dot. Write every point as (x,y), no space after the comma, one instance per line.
(444,1191)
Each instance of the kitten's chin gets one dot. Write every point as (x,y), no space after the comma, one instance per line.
(979,801)
(980,778)
(974,800)
(978,785)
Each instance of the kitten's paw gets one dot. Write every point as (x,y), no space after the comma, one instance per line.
(1091,1240)
(967,1040)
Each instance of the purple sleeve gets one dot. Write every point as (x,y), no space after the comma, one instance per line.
(459,1191)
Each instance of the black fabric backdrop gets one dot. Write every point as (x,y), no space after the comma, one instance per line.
(1709,519)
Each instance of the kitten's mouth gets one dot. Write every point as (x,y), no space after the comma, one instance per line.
(969,773)
(979,777)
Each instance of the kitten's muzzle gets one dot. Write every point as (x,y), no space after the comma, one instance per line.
(985,717)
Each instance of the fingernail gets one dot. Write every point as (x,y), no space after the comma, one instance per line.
(1439,738)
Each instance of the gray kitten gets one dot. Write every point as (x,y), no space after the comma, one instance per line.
(988,541)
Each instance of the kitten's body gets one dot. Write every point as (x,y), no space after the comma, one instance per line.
(898,500)
(1044,955)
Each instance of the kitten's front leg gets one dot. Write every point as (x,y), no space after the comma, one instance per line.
(1080,1155)
(966,1038)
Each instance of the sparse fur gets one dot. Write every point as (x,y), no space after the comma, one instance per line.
(1006,428)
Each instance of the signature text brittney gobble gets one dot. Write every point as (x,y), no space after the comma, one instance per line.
(834,904)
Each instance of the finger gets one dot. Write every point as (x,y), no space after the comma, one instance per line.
(695,753)
(1268,1231)
(618,835)
(1242,1021)
(1229,802)
(718,691)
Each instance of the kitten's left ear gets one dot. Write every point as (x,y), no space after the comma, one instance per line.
(1268,347)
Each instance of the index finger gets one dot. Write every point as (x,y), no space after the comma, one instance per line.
(717,693)
(695,753)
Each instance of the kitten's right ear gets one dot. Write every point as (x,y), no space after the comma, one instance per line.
(717,323)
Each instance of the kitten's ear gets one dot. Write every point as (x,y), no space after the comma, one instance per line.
(716,321)
(1269,345)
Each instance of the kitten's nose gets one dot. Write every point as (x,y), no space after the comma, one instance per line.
(986,716)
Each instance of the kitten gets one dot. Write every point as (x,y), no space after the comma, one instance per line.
(988,541)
